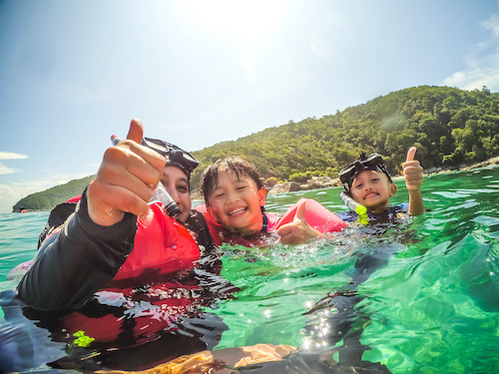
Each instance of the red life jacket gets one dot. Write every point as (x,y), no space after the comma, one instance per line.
(160,243)
(162,246)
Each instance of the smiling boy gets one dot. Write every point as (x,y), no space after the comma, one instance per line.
(235,198)
(368,182)
(237,203)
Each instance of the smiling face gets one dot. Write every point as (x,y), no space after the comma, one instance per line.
(177,185)
(235,203)
(373,190)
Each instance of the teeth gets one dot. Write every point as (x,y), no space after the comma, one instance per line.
(237,211)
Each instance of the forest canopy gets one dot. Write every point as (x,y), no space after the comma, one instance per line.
(48,199)
(449,126)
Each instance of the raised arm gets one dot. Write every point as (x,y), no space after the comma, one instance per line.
(413,174)
(95,241)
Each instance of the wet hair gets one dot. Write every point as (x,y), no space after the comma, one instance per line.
(209,179)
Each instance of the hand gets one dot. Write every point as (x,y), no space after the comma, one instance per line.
(298,231)
(126,179)
(413,172)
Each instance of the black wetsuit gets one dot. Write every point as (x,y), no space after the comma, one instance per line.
(136,323)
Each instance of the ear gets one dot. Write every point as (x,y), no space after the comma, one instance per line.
(393,189)
(262,196)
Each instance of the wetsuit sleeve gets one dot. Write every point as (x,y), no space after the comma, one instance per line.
(82,258)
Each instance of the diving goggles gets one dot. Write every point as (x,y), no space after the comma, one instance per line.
(372,162)
(175,156)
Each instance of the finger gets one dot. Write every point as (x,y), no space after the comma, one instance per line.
(285,230)
(107,203)
(289,236)
(410,153)
(300,211)
(413,169)
(131,163)
(136,131)
(413,163)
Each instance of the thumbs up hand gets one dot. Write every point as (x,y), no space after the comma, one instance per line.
(126,179)
(298,231)
(413,172)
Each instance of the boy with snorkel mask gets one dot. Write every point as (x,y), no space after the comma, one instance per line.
(368,182)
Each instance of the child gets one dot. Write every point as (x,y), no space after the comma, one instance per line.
(368,182)
(235,199)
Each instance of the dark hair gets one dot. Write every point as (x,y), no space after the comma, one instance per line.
(209,180)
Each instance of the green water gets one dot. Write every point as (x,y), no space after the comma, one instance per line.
(433,309)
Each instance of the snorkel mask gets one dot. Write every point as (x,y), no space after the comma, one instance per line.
(174,155)
(372,162)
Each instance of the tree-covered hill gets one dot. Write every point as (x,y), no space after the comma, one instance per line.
(450,127)
(48,199)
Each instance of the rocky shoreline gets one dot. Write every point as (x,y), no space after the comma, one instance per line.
(327,182)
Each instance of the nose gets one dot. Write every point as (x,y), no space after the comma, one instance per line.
(232,196)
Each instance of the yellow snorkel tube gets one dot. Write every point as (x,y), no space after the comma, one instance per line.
(360,209)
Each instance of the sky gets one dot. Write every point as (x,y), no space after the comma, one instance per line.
(198,72)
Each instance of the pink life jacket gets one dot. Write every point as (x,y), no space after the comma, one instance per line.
(316,215)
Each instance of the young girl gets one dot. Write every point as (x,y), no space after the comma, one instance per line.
(235,199)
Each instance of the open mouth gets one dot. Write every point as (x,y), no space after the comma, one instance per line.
(370,195)
(237,211)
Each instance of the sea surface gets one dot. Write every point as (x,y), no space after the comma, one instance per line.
(431,305)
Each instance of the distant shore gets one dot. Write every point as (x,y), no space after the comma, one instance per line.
(327,182)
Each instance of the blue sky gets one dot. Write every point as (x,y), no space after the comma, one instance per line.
(72,73)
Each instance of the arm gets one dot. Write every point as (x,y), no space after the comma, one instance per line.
(95,241)
(413,174)
(82,258)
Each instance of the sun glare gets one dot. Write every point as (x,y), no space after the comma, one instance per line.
(247,19)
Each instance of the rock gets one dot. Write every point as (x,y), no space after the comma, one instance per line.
(285,187)
(323,182)
(312,184)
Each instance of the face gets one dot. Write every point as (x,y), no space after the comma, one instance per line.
(373,190)
(177,185)
(236,202)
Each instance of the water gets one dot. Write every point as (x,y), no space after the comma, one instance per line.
(434,308)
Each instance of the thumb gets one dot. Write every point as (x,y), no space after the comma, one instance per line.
(410,154)
(136,131)
(300,211)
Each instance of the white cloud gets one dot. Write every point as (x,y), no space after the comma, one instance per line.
(482,62)
(11,156)
(6,170)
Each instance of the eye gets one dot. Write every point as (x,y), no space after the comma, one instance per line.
(182,189)
(358,185)
(241,188)
(218,195)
